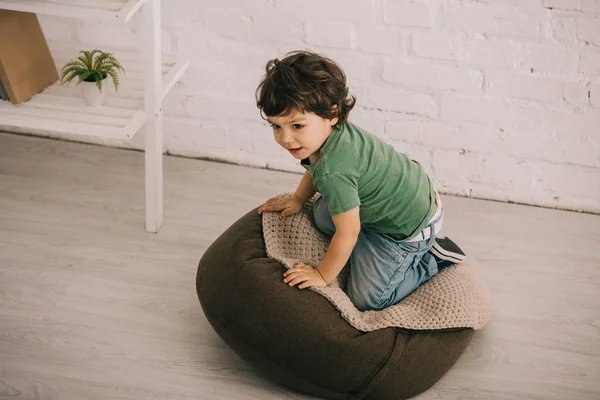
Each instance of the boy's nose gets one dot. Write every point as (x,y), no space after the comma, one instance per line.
(286,137)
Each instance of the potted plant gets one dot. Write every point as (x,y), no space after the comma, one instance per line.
(92,68)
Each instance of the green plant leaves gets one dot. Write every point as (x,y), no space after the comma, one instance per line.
(93,65)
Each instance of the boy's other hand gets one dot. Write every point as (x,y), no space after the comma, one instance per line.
(304,274)
(287,206)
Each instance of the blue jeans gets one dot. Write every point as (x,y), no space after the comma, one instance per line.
(382,271)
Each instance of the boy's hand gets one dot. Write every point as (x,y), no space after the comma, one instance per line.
(287,206)
(304,274)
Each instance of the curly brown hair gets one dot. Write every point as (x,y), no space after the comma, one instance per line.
(304,82)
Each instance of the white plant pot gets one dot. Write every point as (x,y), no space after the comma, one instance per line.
(92,95)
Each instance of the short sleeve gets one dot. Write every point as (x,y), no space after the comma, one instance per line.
(340,191)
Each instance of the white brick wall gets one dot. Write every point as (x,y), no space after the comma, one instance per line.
(497,99)
(340,35)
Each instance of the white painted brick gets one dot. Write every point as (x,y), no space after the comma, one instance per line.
(575,93)
(571,123)
(588,30)
(440,46)
(590,61)
(523,179)
(330,10)
(377,7)
(563,30)
(190,12)
(497,113)
(518,143)
(184,134)
(276,28)
(555,14)
(526,27)
(507,84)
(242,81)
(494,21)
(357,67)
(230,24)
(426,74)
(475,51)
(526,117)
(529,5)
(247,7)
(331,34)
(563,200)
(202,77)
(253,137)
(166,42)
(257,138)
(215,108)
(190,41)
(464,136)
(409,130)
(108,35)
(233,52)
(569,5)
(174,103)
(360,94)
(595,94)
(474,109)
(367,119)
(575,181)
(494,169)
(58,28)
(581,150)
(435,135)
(591,6)
(402,101)
(549,147)
(551,59)
(492,53)
(453,170)
(171,13)
(380,40)
(407,13)
(264,141)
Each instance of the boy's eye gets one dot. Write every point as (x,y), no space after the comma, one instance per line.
(274,126)
(297,126)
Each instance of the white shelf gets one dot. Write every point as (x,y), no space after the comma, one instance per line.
(122,10)
(62,109)
(148,78)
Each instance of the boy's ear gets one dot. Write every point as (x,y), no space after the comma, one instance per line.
(335,119)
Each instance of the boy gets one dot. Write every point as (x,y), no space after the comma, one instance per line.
(379,206)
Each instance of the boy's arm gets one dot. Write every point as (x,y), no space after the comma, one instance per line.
(291,205)
(347,228)
(305,189)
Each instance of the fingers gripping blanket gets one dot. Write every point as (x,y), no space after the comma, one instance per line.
(454,298)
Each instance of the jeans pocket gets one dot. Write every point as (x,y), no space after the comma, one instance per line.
(410,247)
(398,286)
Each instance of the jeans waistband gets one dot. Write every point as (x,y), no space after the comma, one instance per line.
(434,226)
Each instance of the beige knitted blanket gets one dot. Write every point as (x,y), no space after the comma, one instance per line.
(454,298)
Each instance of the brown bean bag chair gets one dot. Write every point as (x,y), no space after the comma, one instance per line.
(297,337)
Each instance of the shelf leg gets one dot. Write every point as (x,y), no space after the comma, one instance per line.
(154,124)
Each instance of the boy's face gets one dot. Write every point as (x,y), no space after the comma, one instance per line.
(302,134)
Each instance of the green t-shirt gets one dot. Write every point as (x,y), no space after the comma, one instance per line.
(355,168)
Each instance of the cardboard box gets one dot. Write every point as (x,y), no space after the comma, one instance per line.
(26,65)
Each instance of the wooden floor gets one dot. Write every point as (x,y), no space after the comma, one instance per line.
(92,307)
